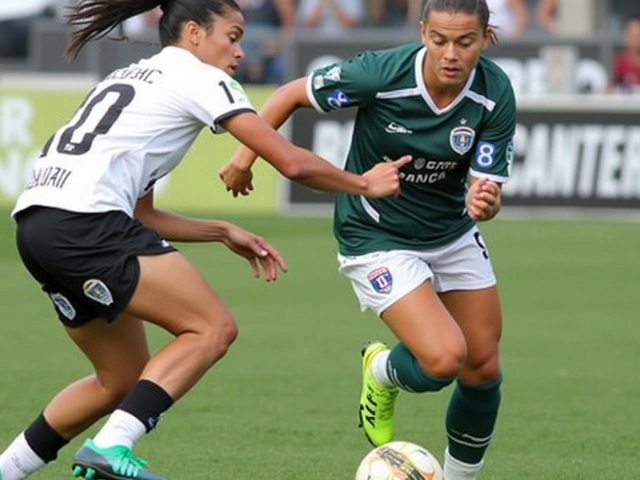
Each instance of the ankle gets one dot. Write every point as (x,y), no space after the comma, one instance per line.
(455,469)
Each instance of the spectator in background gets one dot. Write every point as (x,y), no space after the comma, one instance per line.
(546,15)
(331,16)
(393,13)
(263,57)
(625,66)
(16,18)
(511,17)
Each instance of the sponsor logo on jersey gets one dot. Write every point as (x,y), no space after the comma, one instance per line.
(338,99)
(461,139)
(63,305)
(381,280)
(394,127)
(333,74)
(96,290)
(236,86)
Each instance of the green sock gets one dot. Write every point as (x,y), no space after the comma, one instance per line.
(471,418)
(403,370)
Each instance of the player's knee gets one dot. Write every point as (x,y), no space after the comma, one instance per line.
(486,370)
(217,337)
(447,363)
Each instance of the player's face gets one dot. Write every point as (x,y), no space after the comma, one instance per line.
(454,42)
(220,44)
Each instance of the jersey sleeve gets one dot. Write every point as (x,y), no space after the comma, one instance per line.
(494,150)
(217,96)
(351,83)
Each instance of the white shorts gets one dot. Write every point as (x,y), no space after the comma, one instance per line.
(380,279)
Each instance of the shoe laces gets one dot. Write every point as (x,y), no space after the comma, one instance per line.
(386,401)
(128,465)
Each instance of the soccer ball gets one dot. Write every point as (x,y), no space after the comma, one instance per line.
(399,461)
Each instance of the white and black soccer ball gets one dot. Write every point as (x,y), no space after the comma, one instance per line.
(399,461)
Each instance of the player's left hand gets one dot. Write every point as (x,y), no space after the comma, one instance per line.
(257,251)
(237,180)
(483,199)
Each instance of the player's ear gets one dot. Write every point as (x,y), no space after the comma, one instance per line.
(489,33)
(191,32)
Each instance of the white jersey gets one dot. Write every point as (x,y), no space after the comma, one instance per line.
(133,128)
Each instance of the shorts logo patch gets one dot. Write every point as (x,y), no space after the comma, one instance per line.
(96,290)
(63,305)
(461,139)
(381,280)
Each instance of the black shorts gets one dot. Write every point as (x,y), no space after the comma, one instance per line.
(86,262)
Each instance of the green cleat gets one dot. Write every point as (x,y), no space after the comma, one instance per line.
(376,403)
(113,463)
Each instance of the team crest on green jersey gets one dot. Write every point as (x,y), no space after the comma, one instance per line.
(461,139)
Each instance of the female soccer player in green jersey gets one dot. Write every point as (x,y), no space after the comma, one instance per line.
(418,260)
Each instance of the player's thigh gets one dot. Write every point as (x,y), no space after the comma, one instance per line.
(118,350)
(478,314)
(423,324)
(172,294)
(396,285)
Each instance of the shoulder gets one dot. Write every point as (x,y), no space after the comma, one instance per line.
(389,68)
(395,57)
(492,74)
(492,81)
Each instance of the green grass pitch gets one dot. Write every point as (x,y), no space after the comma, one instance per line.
(282,403)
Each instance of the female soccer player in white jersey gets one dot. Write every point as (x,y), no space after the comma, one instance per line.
(418,260)
(88,231)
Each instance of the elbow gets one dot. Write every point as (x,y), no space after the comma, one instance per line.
(293,170)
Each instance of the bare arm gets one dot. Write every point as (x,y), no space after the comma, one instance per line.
(173,227)
(276,110)
(313,18)
(178,228)
(305,167)
(345,18)
(545,14)
(287,12)
(521,16)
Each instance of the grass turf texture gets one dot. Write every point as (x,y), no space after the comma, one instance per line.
(282,403)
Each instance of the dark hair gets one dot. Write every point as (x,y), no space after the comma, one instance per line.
(634,17)
(97,18)
(478,8)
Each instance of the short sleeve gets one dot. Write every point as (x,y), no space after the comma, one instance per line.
(352,83)
(494,150)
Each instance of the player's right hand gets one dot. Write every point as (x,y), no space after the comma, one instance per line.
(384,177)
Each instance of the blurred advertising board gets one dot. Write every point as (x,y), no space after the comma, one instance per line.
(33,106)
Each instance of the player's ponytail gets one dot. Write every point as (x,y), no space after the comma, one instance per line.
(94,19)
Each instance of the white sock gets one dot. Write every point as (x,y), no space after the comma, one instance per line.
(379,369)
(454,469)
(19,461)
(121,428)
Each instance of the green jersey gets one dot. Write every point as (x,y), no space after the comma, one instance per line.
(395,117)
